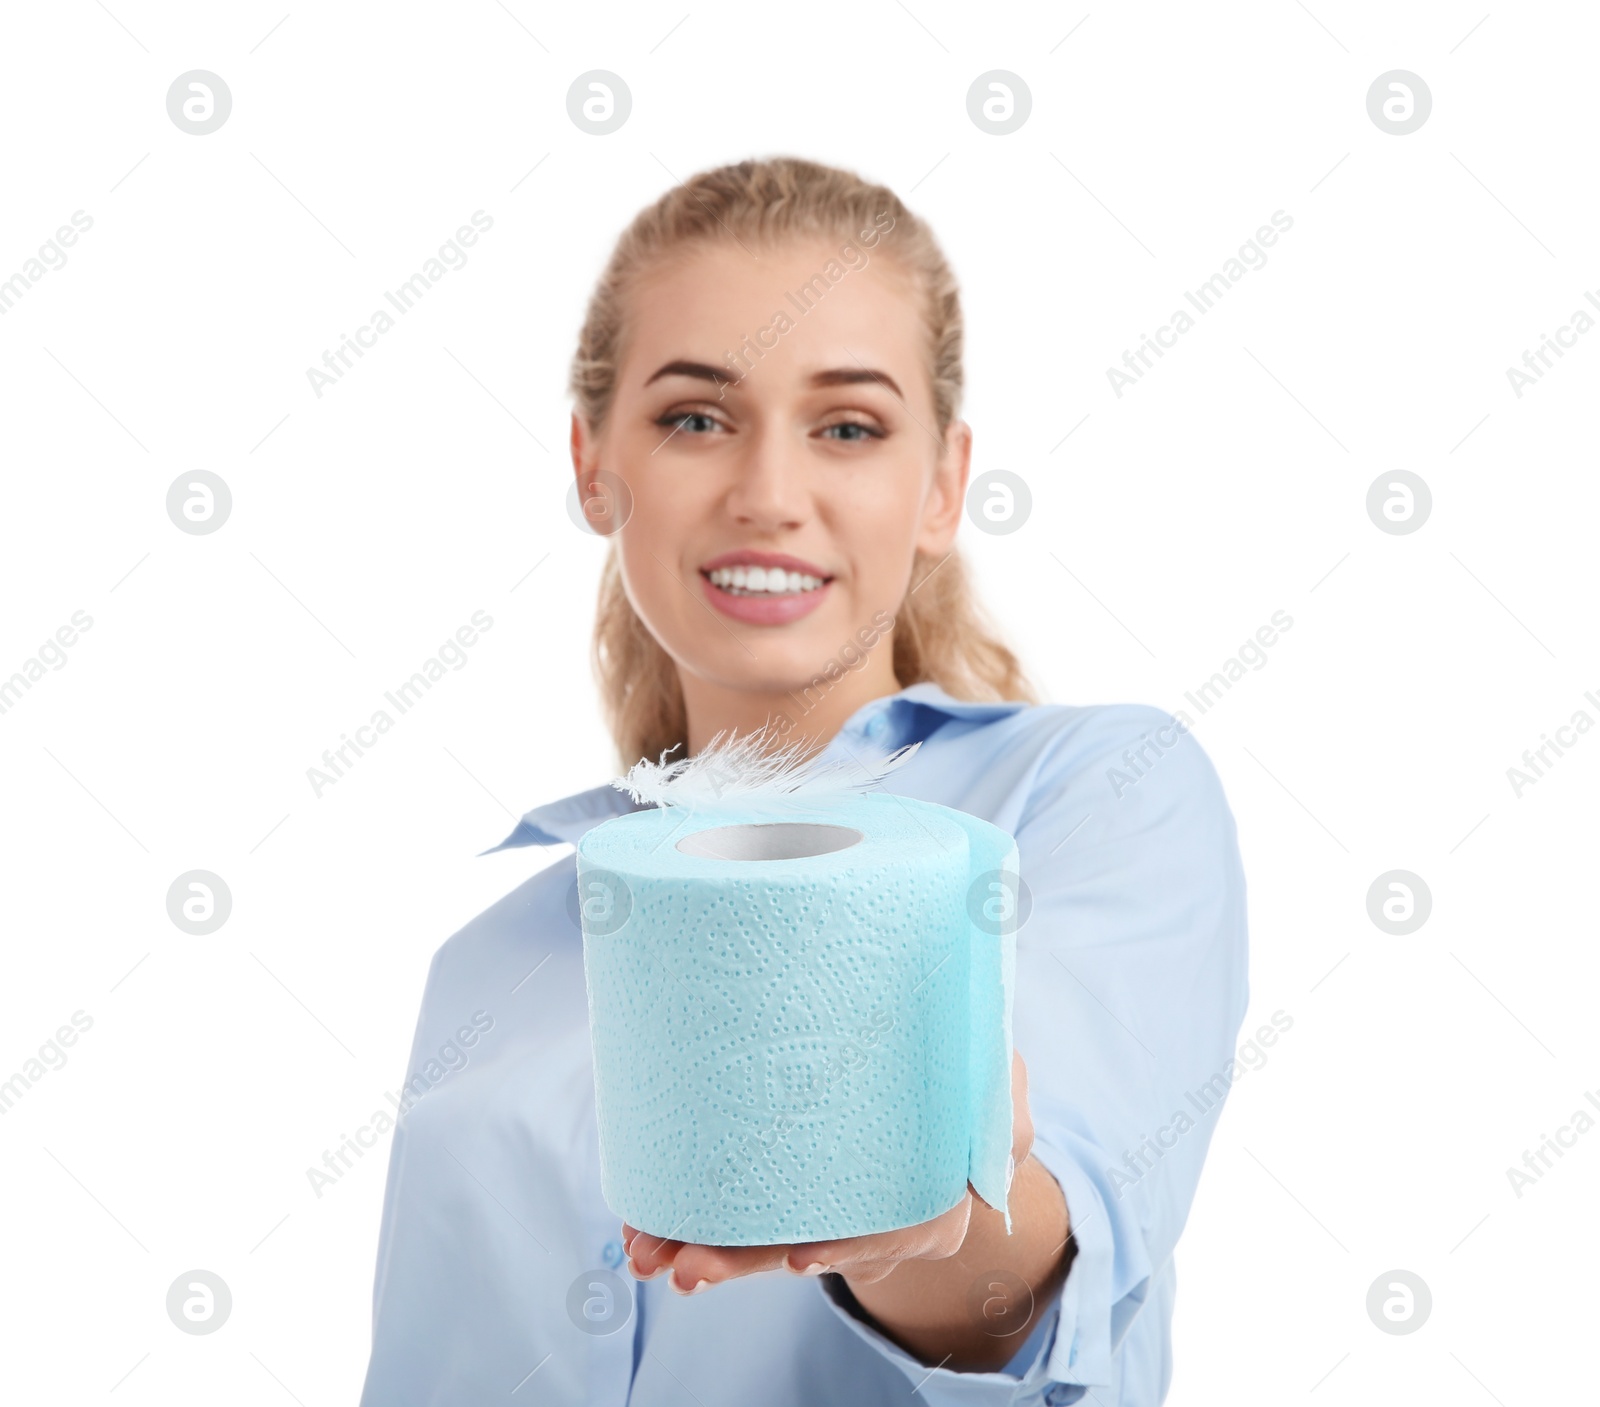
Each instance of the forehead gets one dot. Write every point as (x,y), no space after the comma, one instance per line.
(802,305)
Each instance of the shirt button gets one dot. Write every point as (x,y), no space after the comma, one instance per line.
(877,725)
(611,1253)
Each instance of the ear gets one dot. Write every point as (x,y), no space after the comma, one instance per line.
(585,450)
(942,509)
(603,497)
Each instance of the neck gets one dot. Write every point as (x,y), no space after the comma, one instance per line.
(815,711)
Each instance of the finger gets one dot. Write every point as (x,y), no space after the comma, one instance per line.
(1021,1112)
(632,1235)
(696,1266)
(649,1255)
(872,1257)
(860,1259)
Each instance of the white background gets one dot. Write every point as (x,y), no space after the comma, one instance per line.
(369,524)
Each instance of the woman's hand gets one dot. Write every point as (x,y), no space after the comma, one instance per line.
(925,1308)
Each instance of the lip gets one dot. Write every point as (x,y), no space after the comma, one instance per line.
(762,610)
(757,610)
(744,558)
(769,610)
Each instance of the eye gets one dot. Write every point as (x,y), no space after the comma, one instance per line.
(691,422)
(852,431)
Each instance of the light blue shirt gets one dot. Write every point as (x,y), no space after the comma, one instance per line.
(1130,991)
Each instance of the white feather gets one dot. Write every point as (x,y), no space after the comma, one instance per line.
(749,771)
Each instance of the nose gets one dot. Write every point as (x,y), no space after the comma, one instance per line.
(772,481)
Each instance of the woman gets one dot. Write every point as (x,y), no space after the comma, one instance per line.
(767,388)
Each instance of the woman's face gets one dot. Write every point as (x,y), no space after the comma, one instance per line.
(776,434)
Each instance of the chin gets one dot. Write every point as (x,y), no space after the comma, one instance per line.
(777,671)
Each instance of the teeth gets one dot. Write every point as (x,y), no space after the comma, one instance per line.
(765,581)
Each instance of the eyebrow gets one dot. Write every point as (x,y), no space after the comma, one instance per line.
(854,376)
(841,376)
(699,370)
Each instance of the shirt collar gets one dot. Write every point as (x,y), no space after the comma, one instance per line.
(909,716)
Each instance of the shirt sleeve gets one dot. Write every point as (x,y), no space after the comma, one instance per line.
(1131,988)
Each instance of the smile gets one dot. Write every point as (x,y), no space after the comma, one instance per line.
(763,581)
(759,593)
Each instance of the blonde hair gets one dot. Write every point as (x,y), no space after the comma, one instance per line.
(940,632)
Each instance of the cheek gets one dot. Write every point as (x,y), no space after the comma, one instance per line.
(666,511)
(660,574)
(647,568)
(875,520)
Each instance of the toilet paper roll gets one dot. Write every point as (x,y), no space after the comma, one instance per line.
(801,1026)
